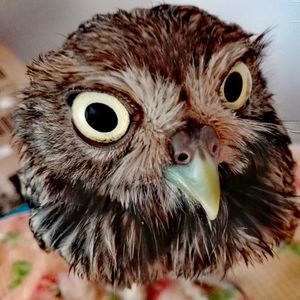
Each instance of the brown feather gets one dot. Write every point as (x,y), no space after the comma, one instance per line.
(108,210)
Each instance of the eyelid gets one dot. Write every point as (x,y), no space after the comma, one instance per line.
(70,96)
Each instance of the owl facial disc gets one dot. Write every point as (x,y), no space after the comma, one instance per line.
(199,180)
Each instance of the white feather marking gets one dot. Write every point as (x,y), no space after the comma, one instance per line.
(65,248)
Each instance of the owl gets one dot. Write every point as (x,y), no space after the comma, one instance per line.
(150,148)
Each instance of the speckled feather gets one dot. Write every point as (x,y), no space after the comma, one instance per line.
(108,209)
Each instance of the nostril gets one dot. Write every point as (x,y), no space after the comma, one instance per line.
(182,158)
(214,149)
(210,141)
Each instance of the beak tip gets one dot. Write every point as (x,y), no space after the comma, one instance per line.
(213,216)
(211,208)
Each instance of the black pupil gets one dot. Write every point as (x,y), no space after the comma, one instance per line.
(233,86)
(101,117)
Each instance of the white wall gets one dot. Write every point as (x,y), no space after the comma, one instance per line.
(31,26)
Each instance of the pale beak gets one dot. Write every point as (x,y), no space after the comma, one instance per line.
(199,180)
(198,177)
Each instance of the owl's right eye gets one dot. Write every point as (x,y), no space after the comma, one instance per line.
(100,117)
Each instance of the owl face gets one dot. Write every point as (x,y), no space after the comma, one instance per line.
(149,146)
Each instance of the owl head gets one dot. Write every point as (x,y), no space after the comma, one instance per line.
(149,146)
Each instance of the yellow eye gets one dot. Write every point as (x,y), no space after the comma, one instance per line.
(100,117)
(237,86)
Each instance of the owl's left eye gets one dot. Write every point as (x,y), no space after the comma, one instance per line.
(236,87)
(100,117)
